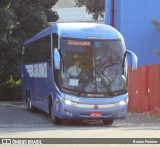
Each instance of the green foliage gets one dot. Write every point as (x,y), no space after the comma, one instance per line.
(11,90)
(8,20)
(12,83)
(94,7)
(4,3)
(31,23)
(8,43)
(34,15)
(19,20)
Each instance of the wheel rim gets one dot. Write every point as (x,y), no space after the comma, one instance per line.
(52,114)
(29,104)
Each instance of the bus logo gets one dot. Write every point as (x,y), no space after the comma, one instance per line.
(37,70)
(95,106)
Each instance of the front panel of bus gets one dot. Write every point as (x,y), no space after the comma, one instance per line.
(96,87)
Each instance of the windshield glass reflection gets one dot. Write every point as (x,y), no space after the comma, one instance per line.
(93,67)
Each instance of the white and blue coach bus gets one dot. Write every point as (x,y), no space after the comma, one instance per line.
(98,91)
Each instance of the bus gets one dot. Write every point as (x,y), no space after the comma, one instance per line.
(77,71)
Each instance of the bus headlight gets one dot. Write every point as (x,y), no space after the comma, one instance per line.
(123,102)
(69,102)
(66,101)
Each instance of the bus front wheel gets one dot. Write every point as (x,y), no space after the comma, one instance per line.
(54,119)
(107,122)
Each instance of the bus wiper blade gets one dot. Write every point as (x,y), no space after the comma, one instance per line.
(113,93)
(110,94)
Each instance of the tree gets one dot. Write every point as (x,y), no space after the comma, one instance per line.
(34,15)
(94,7)
(4,3)
(20,19)
(8,20)
(156,24)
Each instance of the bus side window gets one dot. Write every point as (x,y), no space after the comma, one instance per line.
(56,71)
(37,51)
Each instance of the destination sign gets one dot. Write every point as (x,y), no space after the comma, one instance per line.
(79,43)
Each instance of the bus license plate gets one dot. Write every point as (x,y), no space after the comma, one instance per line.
(96,114)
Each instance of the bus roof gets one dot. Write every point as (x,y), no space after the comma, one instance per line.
(79,31)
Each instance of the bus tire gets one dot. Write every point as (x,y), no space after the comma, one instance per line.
(29,105)
(54,119)
(108,122)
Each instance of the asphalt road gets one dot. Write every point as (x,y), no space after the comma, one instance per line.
(17,122)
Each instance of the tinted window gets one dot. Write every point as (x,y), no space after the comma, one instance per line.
(37,51)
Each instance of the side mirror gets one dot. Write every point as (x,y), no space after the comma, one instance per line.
(56,59)
(133,59)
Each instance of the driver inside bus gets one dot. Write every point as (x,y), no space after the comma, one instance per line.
(73,74)
(74,70)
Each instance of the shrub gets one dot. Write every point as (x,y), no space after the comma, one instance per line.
(11,90)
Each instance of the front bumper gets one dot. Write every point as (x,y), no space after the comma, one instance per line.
(64,111)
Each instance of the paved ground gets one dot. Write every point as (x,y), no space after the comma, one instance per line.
(17,121)
(15,114)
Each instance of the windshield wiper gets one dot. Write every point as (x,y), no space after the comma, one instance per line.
(114,93)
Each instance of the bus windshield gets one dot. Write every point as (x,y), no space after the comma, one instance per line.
(93,67)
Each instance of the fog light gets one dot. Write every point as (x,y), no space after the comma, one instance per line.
(122,113)
(68,113)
